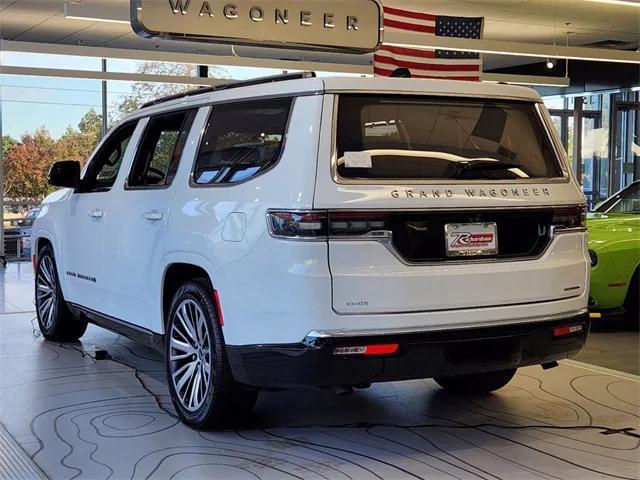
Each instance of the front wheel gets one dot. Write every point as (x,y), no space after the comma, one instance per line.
(54,318)
(476,384)
(201,384)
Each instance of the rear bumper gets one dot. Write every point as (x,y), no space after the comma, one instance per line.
(420,355)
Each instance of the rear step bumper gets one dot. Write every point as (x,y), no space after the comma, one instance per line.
(314,362)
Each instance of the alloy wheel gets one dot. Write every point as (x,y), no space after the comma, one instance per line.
(190,355)
(46,291)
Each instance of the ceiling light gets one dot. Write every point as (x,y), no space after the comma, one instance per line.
(96,13)
(96,19)
(500,47)
(626,3)
(551,62)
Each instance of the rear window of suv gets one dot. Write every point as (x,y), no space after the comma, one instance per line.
(424,138)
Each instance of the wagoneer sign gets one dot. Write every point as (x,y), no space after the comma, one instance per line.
(338,25)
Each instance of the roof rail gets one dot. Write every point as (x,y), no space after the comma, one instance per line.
(235,84)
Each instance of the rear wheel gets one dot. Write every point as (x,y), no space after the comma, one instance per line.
(476,384)
(55,320)
(201,384)
(632,302)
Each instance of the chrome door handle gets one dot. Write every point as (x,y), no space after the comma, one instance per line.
(96,213)
(153,215)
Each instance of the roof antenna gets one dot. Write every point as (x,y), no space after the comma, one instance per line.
(401,72)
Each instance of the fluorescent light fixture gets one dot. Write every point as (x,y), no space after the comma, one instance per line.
(626,3)
(499,47)
(96,12)
(96,19)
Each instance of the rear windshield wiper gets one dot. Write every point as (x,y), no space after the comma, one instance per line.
(462,169)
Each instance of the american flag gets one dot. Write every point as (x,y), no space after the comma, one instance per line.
(427,63)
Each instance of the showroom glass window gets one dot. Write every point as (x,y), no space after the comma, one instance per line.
(438,138)
(241,140)
(158,157)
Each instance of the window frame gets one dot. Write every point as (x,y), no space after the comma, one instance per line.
(212,108)
(90,167)
(186,127)
(545,123)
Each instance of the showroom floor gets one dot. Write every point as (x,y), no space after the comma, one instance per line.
(64,414)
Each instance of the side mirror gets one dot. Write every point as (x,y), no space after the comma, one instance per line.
(65,174)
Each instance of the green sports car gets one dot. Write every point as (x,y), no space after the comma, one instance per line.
(614,246)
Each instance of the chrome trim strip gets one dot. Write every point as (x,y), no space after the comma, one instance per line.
(408,330)
(555,230)
(443,181)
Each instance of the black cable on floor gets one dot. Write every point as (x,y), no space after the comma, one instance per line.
(365,425)
(136,374)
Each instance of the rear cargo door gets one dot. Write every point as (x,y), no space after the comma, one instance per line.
(429,211)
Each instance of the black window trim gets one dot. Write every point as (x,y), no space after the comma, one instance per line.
(187,123)
(546,126)
(283,144)
(133,122)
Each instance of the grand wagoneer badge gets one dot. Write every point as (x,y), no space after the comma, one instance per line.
(340,25)
(495,192)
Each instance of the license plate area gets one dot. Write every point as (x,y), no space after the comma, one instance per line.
(471,239)
(483,352)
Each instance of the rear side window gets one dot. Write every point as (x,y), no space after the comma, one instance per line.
(158,157)
(422,138)
(241,140)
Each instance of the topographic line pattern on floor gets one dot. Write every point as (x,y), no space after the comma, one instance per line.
(110,419)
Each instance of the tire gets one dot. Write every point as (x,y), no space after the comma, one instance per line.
(55,320)
(194,343)
(477,384)
(632,303)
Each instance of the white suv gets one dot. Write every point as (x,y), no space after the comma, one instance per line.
(299,231)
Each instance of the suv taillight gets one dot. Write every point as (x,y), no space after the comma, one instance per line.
(322,224)
(358,224)
(569,217)
(300,225)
